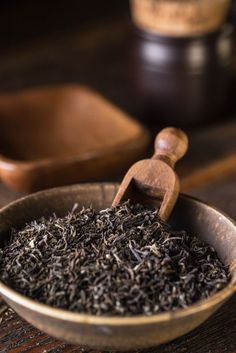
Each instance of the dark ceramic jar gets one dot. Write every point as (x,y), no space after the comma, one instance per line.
(182,80)
(232,12)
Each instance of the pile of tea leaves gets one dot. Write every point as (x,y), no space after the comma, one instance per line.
(119,261)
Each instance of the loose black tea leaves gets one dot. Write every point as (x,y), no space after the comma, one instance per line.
(119,261)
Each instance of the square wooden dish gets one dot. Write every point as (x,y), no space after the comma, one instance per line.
(64,134)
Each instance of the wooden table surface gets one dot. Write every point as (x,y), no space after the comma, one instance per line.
(93,57)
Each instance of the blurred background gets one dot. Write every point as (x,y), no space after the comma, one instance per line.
(169,62)
(47,42)
(185,79)
(25,21)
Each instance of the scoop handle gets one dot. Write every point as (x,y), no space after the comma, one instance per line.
(171,144)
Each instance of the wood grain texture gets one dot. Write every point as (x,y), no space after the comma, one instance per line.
(217,335)
(153,181)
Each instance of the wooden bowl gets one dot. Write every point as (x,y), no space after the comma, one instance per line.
(60,135)
(120,333)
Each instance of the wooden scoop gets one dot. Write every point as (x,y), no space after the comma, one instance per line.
(153,182)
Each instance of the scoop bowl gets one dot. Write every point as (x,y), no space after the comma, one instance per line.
(119,333)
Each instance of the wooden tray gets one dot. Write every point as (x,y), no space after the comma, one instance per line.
(64,134)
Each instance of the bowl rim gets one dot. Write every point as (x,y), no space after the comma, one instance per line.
(10,295)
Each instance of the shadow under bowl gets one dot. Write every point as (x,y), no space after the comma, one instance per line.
(120,333)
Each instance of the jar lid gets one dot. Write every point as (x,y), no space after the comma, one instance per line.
(179,17)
